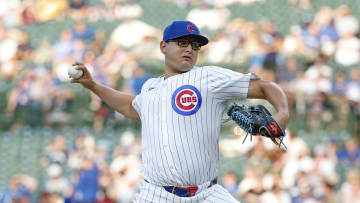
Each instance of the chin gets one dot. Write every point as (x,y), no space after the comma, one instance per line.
(186,67)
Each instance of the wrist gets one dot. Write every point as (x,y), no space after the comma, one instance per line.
(282,118)
(92,85)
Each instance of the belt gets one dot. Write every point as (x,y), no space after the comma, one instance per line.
(185,191)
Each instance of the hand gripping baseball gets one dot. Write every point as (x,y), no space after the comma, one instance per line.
(257,120)
(86,79)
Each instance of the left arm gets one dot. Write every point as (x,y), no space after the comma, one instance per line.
(262,89)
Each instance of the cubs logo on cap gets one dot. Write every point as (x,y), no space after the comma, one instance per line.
(179,29)
(186,100)
(191,28)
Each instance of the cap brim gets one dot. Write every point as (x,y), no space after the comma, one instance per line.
(201,39)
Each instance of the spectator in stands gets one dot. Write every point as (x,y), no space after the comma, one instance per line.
(325,20)
(310,33)
(275,191)
(230,182)
(20,189)
(211,18)
(81,31)
(28,15)
(130,32)
(320,111)
(348,46)
(59,112)
(43,53)
(351,152)
(339,83)
(98,44)
(137,80)
(79,50)
(219,51)
(18,100)
(319,69)
(47,197)
(56,182)
(64,46)
(350,190)
(87,183)
(78,4)
(56,152)
(353,86)
(25,50)
(288,73)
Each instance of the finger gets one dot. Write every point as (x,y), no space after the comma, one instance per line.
(73,80)
(81,67)
(77,63)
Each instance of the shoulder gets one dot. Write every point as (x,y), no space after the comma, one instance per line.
(150,83)
(216,71)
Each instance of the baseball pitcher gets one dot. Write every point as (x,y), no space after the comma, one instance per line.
(181,114)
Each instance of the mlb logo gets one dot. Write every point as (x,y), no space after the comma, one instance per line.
(186,100)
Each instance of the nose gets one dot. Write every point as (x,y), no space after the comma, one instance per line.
(189,48)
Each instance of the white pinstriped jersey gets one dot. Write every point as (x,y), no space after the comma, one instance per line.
(180,119)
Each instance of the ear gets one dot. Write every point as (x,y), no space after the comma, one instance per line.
(163,47)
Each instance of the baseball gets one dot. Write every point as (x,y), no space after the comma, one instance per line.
(74,73)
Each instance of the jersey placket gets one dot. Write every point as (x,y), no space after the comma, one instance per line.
(164,109)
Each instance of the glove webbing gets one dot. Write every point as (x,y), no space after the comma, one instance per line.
(243,121)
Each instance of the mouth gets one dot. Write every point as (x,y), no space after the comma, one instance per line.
(187,58)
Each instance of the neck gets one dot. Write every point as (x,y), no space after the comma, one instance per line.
(169,72)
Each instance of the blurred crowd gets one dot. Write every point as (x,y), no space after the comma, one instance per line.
(326,173)
(316,62)
(85,170)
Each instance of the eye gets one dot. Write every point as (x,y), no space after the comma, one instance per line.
(195,45)
(183,43)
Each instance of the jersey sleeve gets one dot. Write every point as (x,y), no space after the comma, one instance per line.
(137,101)
(226,84)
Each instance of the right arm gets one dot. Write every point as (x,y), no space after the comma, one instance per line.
(119,101)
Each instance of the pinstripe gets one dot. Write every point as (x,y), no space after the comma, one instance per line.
(174,140)
(221,194)
(224,72)
(177,149)
(192,137)
(220,198)
(224,192)
(174,198)
(162,152)
(147,192)
(202,130)
(153,194)
(201,161)
(215,137)
(207,119)
(166,154)
(149,137)
(186,162)
(172,154)
(153,138)
(212,135)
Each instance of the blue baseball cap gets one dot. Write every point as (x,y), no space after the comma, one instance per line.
(179,29)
